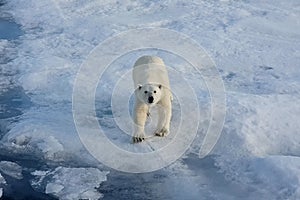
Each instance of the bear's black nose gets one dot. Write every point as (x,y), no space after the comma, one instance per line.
(150,99)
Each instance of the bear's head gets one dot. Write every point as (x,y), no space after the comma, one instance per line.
(149,93)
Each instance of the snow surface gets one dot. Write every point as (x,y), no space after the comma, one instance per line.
(255,45)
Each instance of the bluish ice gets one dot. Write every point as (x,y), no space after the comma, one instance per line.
(255,46)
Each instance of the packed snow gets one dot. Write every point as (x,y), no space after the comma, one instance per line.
(255,45)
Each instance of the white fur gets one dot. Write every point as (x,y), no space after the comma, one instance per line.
(151,79)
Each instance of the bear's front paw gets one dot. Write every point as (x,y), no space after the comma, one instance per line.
(137,139)
(163,132)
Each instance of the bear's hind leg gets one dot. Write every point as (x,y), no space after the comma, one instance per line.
(160,122)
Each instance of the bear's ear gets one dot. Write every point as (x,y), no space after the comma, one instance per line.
(140,87)
(159,86)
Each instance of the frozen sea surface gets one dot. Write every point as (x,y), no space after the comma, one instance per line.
(255,45)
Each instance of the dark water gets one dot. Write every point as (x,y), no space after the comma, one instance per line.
(21,189)
(14,99)
(9,30)
(13,103)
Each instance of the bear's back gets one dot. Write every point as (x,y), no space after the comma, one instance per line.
(150,70)
(149,59)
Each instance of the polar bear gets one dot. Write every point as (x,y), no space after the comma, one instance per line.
(152,87)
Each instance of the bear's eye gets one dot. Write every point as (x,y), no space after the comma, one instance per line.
(146,92)
(154,91)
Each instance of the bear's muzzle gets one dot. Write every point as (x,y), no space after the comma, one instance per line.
(150,99)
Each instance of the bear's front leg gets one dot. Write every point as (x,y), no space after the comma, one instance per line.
(140,117)
(164,120)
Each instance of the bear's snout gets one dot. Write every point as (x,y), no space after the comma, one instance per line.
(150,99)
